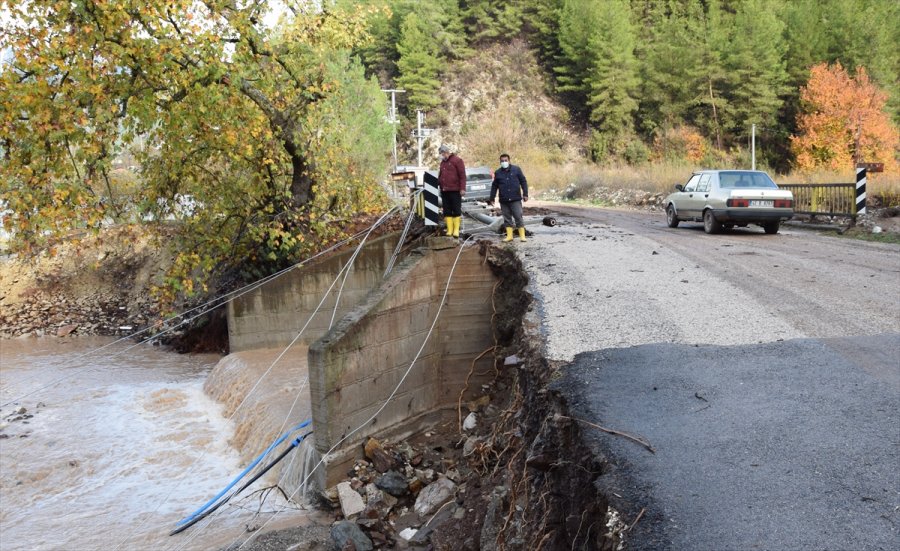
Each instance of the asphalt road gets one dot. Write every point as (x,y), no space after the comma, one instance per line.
(763,370)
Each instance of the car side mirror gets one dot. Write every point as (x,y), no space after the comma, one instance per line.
(679,187)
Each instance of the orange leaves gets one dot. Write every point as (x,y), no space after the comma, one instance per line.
(836,110)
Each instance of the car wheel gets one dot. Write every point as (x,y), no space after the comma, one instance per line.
(671,217)
(771,227)
(710,224)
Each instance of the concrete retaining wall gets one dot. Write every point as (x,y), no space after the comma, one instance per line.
(271,316)
(355,366)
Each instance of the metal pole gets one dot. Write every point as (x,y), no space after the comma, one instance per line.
(753,147)
(419,134)
(392,118)
(394,122)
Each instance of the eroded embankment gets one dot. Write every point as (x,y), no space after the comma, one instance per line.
(538,478)
(508,472)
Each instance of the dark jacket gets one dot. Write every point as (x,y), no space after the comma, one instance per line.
(511,184)
(452,176)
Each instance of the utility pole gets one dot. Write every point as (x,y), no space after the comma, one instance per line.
(753,147)
(421,133)
(392,117)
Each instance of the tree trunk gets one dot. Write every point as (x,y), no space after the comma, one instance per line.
(301,183)
(712,101)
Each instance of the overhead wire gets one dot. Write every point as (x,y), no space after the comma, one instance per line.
(378,411)
(269,369)
(344,270)
(237,293)
(399,247)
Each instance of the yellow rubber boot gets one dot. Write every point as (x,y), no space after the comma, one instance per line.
(457,222)
(508,234)
(449,221)
(522,234)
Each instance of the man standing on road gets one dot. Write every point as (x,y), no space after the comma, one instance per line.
(510,181)
(452,181)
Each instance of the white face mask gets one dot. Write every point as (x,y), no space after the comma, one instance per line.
(504,164)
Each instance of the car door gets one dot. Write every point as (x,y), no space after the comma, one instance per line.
(685,204)
(697,199)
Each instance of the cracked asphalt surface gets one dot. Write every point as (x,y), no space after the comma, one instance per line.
(764,370)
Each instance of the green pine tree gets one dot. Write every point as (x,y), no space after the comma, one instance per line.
(541,24)
(577,21)
(419,63)
(673,73)
(612,80)
(492,19)
(754,58)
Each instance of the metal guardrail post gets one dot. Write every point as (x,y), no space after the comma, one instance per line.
(430,194)
(860,205)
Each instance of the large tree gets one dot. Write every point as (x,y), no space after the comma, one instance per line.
(598,67)
(843,118)
(755,66)
(250,122)
(419,64)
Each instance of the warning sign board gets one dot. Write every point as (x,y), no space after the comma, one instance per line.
(871,167)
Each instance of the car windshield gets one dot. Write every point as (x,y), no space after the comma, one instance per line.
(730,180)
(477,176)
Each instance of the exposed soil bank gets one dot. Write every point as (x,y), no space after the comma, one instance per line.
(99,285)
(102,284)
(510,473)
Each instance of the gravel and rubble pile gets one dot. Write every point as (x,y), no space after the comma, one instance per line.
(59,314)
(401,492)
(634,198)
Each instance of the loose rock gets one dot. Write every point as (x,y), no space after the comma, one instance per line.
(351,502)
(434,495)
(393,483)
(470,422)
(345,532)
(380,458)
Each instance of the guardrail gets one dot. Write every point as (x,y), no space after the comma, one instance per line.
(823,199)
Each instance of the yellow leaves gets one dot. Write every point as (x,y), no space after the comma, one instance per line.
(60,194)
(838,108)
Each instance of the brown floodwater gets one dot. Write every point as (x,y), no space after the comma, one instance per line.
(115,455)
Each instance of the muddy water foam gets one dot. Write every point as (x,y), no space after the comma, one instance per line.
(115,455)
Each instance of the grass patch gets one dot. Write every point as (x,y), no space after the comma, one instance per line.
(892,238)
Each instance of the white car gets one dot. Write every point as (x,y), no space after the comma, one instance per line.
(728,198)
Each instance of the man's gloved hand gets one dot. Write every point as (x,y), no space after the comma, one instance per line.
(524,199)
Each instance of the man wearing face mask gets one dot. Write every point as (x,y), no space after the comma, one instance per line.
(452,181)
(509,181)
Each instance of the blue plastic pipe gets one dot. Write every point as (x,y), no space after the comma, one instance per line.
(249,468)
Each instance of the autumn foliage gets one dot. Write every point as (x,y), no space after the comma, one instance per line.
(836,108)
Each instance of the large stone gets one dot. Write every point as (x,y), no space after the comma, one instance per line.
(351,502)
(382,461)
(434,495)
(66,330)
(378,502)
(393,483)
(345,532)
(470,422)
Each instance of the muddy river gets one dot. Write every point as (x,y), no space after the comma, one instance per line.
(115,454)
